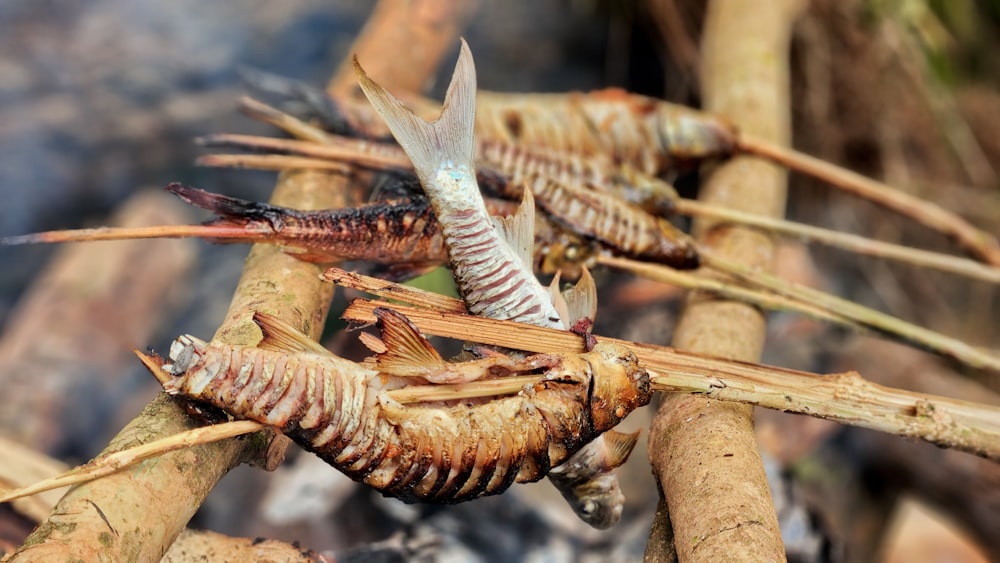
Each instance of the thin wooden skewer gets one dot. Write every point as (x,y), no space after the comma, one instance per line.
(847,241)
(980,242)
(887,324)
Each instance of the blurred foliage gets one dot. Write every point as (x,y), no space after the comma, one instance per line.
(959,38)
(438,280)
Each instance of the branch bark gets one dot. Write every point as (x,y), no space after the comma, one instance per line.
(110,518)
(703,451)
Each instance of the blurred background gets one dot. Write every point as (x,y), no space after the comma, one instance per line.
(100,100)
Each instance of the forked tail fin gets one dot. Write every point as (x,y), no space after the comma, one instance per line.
(449,138)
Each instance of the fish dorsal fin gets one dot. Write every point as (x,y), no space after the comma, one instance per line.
(407,352)
(581,299)
(279,335)
(559,301)
(430,145)
(619,446)
(519,229)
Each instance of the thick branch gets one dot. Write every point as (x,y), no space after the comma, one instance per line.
(704,452)
(402,45)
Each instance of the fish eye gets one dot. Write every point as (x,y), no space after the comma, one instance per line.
(571,252)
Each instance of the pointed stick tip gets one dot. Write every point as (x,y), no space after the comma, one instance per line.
(154,363)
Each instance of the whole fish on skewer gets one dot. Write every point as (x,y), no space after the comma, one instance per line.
(436,452)
(491,258)
(402,235)
(650,134)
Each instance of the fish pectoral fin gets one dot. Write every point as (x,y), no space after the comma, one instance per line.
(518,230)
(619,447)
(431,144)
(372,342)
(279,335)
(581,299)
(407,353)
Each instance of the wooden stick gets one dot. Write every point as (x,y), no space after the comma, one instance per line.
(854,243)
(271,162)
(693,281)
(287,123)
(352,151)
(472,390)
(113,462)
(390,290)
(887,324)
(977,241)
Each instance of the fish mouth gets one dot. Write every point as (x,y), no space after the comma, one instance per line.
(185,352)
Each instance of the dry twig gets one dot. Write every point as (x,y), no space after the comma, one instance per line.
(771,292)
(980,242)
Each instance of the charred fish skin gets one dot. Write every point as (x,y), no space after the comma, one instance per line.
(566,188)
(401,233)
(485,265)
(427,453)
(616,222)
(388,232)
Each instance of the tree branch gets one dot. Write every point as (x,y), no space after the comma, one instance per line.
(703,452)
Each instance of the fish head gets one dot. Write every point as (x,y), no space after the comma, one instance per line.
(599,501)
(620,384)
(185,352)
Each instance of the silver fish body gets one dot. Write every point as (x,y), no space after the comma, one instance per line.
(587,482)
(493,277)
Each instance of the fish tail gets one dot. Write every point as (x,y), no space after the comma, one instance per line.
(448,139)
(231,209)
